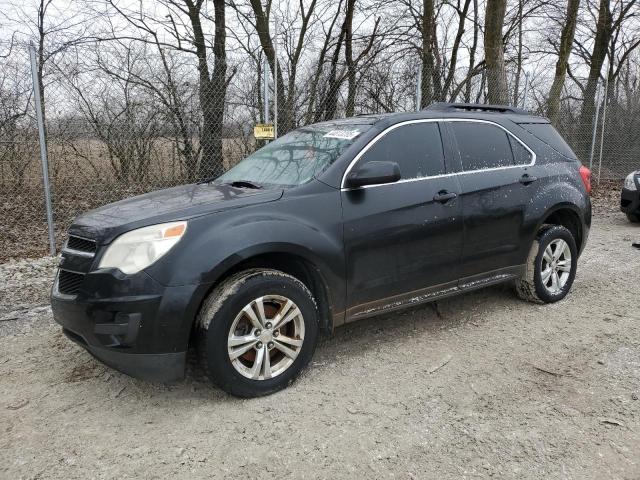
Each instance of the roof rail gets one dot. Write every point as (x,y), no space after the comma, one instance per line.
(474,107)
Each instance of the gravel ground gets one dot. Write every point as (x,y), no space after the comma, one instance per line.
(482,386)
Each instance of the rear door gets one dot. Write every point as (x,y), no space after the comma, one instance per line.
(495,189)
(399,238)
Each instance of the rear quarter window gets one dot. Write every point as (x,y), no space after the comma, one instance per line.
(521,155)
(549,135)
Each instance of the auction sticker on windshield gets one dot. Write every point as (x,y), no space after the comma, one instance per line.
(342,134)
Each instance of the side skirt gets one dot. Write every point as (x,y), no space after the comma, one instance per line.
(430,294)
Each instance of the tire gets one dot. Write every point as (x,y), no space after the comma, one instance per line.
(633,217)
(536,288)
(227,328)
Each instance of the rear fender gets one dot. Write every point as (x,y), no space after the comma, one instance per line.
(559,196)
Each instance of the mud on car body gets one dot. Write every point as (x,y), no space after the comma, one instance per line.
(330,223)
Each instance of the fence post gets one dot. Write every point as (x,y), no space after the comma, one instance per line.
(43,148)
(595,127)
(604,122)
(275,78)
(419,88)
(265,84)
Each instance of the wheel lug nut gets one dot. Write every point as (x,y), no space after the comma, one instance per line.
(259,345)
(270,344)
(268,325)
(257,333)
(276,333)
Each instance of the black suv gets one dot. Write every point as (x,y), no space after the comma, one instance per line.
(330,223)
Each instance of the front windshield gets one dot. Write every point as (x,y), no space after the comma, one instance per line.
(296,157)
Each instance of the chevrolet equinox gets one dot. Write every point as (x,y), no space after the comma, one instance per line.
(328,224)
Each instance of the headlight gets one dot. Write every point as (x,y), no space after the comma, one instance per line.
(137,249)
(629,182)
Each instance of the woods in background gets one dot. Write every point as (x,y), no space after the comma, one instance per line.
(168,91)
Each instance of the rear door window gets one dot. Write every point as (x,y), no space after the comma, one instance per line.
(416,148)
(482,146)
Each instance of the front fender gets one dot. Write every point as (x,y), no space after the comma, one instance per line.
(306,226)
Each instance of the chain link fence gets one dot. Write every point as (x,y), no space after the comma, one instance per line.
(131,121)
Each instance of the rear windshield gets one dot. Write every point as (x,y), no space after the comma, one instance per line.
(296,157)
(550,136)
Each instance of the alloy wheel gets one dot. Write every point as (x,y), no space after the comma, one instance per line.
(556,266)
(266,337)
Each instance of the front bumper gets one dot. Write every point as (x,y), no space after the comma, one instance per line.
(154,367)
(130,322)
(630,201)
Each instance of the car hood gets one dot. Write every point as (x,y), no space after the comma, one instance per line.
(177,203)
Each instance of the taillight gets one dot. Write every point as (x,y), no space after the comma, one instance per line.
(585,174)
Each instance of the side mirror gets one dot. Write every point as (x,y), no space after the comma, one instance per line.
(373,173)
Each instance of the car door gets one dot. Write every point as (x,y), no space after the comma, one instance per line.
(404,237)
(495,189)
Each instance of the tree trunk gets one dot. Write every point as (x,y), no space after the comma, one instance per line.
(603,35)
(516,85)
(494,51)
(428,20)
(472,53)
(564,52)
(330,103)
(212,89)
(348,52)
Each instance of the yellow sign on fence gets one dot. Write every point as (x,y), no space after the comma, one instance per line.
(263,131)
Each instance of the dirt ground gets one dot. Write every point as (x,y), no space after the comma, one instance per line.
(483,386)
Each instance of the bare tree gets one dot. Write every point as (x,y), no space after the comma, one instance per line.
(285,122)
(183,29)
(314,102)
(354,62)
(16,152)
(51,31)
(596,60)
(122,117)
(161,76)
(213,85)
(564,52)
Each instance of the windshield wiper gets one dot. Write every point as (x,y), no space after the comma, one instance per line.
(244,184)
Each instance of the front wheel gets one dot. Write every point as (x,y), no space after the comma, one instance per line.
(633,217)
(551,266)
(258,330)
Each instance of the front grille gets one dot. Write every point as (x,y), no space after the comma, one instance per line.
(69,282)
(81,244)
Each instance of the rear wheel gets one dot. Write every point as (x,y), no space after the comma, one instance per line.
(633,217)
(551,266)
(258,331)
